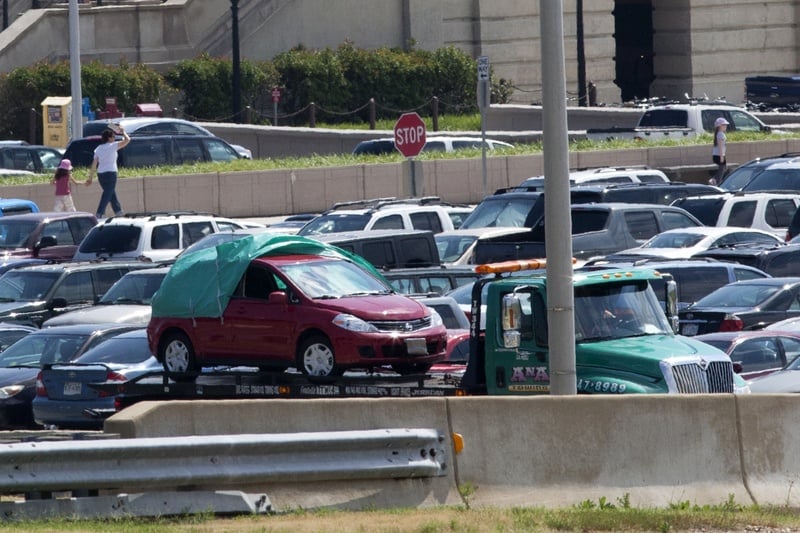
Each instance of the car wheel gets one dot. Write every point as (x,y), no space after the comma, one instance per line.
(406,368)
(316,358)
(177,354)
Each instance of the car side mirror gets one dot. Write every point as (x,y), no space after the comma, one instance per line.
(58,303)
(278,298)
(46,241)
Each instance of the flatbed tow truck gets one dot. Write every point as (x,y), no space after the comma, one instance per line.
(637,351)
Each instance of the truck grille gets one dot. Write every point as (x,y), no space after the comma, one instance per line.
(697,377)
(402,325)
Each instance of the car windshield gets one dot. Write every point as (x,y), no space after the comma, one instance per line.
(111,239)
(15,233)
(335,223)
(776,179)
(674,240)
(740,177)
(618,310)
(124,349)
(42,348)
(333,279)
(20,285)
(736,295)
(133,288)
(506,212)
(452,247)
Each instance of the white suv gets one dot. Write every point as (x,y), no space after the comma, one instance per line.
(766,211)
(605,175)
(154,236)
(426,213)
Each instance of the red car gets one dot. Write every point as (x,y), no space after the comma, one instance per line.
(319,314)
(759,352)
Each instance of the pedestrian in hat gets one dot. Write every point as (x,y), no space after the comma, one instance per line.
(62,180)
(718,151)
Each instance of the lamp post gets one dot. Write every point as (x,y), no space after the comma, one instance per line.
(236,82)
(75,70)
(582,100)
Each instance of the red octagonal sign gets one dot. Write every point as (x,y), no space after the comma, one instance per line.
(409,134)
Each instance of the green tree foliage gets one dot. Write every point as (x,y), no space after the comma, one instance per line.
(205,84)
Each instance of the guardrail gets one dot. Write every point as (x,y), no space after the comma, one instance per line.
(221,461)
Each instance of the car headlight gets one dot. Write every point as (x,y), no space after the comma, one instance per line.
(10,390)
(436,319)
(353,323)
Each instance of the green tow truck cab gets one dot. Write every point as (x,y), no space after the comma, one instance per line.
(625,342)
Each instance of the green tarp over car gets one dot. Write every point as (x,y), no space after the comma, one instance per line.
(201,283)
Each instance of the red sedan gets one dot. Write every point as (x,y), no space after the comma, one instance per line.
(759,352)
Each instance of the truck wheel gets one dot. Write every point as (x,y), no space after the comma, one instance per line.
(316,358)
(406,369)
(177,355)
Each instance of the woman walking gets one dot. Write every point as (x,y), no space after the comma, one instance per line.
(105,165)
(718,151)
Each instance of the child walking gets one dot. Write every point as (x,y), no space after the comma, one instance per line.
(62,180)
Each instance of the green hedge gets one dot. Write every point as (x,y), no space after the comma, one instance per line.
(340,82)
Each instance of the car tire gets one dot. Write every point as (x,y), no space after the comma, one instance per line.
(406,369)
(317,358)
(176,353)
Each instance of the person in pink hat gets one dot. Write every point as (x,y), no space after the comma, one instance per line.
(62,180)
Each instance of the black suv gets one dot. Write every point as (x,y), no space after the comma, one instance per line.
(743,174)
(639,193)
(780,260)
(695,277)
(32,294)
(155,150)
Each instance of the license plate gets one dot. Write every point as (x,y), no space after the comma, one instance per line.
(690,329)
(71,388)
(416,347)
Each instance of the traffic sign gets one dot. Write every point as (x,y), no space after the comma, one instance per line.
(276,95)
(483,68)
(409,134)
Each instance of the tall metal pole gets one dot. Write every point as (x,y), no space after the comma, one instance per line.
(236,82)
(558,221)
(75,70)
(5,14)
(582,99)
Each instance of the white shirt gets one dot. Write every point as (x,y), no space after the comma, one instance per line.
(106,155)
(719,148)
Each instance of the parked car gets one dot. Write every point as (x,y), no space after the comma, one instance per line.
(457,324)
(695,278)
(33,158)
(639,193)
(32,294)
(686,242)
(432,144)
(150,151)
(603,176)
(457,247)
(771,212)
(20,364)
(126,302)
(429,280)
(789,324)
(738,178)
(775,260)
(11,333)
(758,352)
(388,249)
(783,381)
(64,395)
(49,235)
(426,213)
(303,305)
(17,206)
(743,305)
(781,176)
(136,126)
(155,236)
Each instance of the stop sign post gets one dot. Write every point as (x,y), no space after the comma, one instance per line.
(409,134)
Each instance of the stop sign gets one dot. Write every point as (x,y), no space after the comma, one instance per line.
(409,134)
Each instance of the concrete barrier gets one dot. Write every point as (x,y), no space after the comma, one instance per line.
(202,417)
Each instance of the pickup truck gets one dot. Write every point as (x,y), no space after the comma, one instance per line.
(680,121)
(774,91)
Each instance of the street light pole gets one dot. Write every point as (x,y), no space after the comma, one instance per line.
(582,99)
(236,82)
(75,70)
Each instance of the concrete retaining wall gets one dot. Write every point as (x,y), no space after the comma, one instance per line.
(280,192)
(537,451)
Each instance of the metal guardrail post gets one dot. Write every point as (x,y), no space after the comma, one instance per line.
(221,460)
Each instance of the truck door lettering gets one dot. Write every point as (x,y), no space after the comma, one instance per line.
(529,373)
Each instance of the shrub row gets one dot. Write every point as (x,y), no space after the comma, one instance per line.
(340,82)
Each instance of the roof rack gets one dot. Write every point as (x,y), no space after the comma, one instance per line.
(377,203)
(152,215)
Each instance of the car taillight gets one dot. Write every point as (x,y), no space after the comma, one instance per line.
(111,376)
(40,388)
(731,323)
